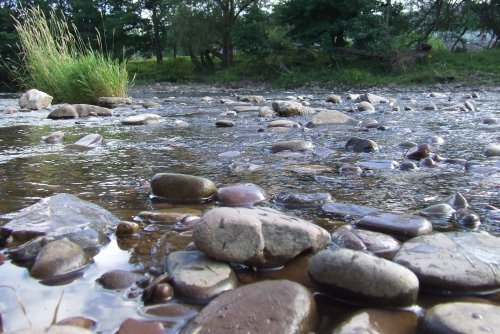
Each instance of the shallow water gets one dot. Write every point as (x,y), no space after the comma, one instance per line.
(115,176)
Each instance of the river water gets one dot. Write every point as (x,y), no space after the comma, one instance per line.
(115,176)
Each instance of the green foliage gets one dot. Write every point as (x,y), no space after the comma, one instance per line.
(58,62)
(179,69)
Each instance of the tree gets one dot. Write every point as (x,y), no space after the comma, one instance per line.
(228,13)
(323,21)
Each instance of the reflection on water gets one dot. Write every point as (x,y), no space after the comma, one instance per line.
(115,176)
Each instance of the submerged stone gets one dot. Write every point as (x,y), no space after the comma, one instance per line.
(56,212)
(301,200)
(375,321)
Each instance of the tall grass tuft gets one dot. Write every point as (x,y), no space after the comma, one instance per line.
(54,59)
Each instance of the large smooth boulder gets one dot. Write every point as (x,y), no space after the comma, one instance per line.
(278,307)
(35,100)
(198,278)
(362,277)
(59,258)
(260,237)
(331,117)
(65,111)
(84,110)
(400,224)
(462,318)
(454,261)
(56,212)
(182,188)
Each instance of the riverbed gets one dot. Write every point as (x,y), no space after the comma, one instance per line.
(116,175)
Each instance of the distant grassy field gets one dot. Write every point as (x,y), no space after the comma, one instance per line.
(316,68)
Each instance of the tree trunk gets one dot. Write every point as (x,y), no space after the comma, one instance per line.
(157,36)
(226,48)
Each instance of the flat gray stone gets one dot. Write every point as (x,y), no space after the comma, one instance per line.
(362,277)
(86,143)
(56,212)
(454,261)
(374,242)
(347,209)
(278,307)
(462,318)
(332,117)
(198,278)
(400,224)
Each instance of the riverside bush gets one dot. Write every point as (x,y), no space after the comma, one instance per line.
(54,59)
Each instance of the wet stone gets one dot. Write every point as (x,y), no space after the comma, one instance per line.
(361,145)
(365,106)
(86,143)
(419,152)
(439,211)
(427,162)
(301,200)
(81,322)
(9,110)
(171,311)
(395,223)
(347,209)
(350,170)
(34,99)
(457,201)
(142,119)
(492,150)
(362,277)
(332,98)
(198,278)
(283,123)
(469,219)
(54,137)
(58,258)
(372,98)
(461,262)
(56,212)
(462,318)
(64,112)
(431,106)
(407,165)
(126,229)
(113,102)
(373,242)
(244,195)
(266,112)
(56,329)
(290,108)
(118,279)
(224,123)
(379,322)
(161,217)
(85,110)
(239,109)
(251,98)
(182,188)
(292,145)
(278,307)
(133,326)
(259,237)
(332,117)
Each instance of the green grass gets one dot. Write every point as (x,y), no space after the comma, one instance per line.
(56,61)
(311,68)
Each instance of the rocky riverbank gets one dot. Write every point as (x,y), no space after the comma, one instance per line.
(211,209)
